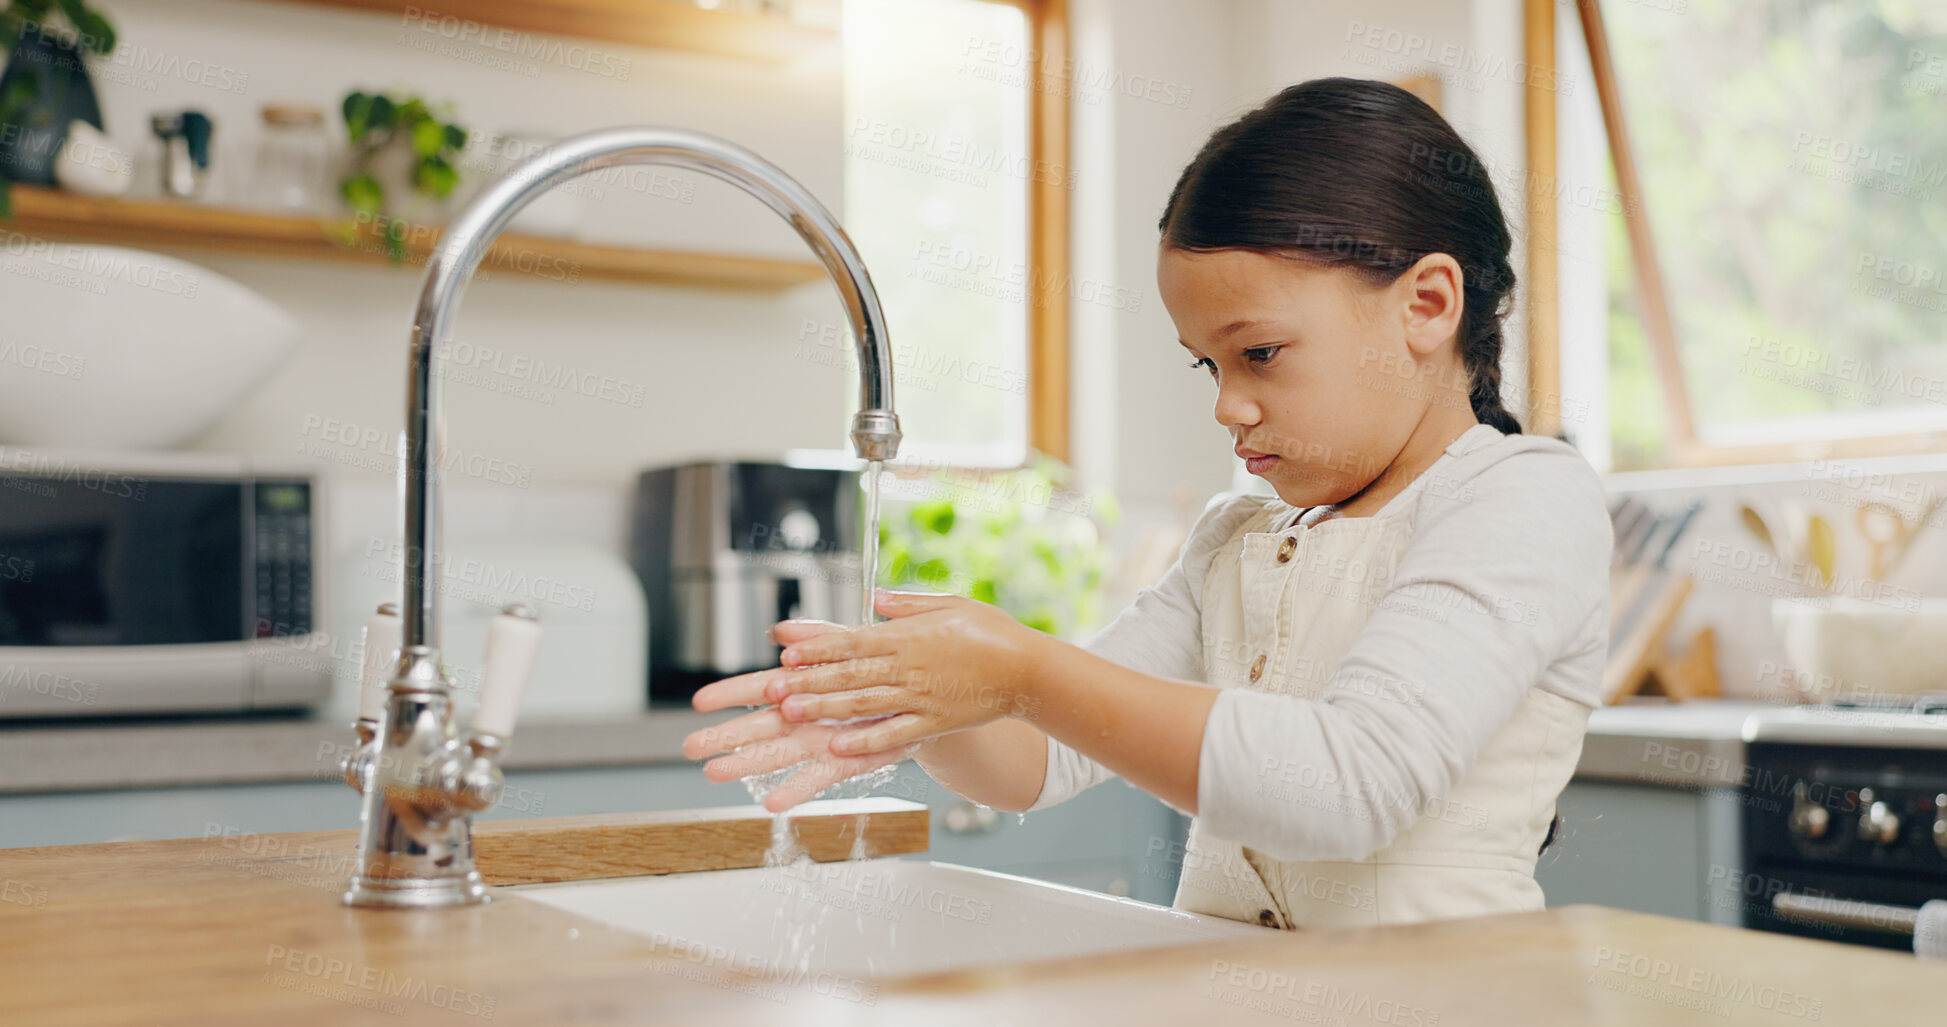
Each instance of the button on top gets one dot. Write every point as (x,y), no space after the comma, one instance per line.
(1257,667)
(1286,548)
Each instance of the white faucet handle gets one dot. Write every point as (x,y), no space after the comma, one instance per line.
(383,635)
(513,640)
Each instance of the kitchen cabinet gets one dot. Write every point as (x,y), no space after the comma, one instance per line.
(1648,848)
(1111,838)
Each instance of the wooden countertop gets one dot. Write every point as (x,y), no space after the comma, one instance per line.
(248,930)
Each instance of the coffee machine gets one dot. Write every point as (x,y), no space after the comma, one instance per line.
(726,549)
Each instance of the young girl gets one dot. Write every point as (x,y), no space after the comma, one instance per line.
(1368,690)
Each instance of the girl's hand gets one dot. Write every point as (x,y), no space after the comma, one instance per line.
(764,742)
(943,663)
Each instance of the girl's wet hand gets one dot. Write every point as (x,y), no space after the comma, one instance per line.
(942,663)
(760,742)
(748,689)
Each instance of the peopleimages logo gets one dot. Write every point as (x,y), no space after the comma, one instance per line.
(133,64)
(39,473)
(570,54)
(94,263)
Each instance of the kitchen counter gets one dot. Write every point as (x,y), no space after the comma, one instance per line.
(1685,745)
(179,752)
(1693,744)
(235,931)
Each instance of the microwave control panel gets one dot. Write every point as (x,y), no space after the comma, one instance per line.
(281,533)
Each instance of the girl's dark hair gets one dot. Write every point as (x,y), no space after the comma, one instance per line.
(1347,172)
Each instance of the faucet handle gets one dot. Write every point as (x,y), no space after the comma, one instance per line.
(383,636)
(513,640)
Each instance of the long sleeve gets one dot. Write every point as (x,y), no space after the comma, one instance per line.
(1159,633)
(1518,568)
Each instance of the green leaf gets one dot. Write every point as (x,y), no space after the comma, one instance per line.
(428,138)
(99,32)
(96,34)
(381,115)
(983,590)
(21,90)
(363,193)
(433,175)
(455,137)
(410,111)
(935,516)
(357,109)
(933,571)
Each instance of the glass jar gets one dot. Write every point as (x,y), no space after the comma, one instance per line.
(291,160)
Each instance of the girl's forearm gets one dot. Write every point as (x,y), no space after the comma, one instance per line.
(1148,730)
(999,764)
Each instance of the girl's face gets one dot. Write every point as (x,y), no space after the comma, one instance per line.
(1325,373)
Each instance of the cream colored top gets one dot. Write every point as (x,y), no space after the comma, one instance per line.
(1403,694)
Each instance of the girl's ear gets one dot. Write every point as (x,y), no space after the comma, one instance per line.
(1433,304)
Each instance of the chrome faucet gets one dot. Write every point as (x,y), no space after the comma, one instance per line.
(421,778)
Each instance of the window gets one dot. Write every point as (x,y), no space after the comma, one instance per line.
(1793,170)
(939,167)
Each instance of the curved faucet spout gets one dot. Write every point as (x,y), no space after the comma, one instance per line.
(875,428)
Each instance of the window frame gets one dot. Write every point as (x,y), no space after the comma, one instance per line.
(1050,431)
(1049,141)
(1682,448)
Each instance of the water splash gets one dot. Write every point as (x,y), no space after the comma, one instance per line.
(794,937)
(784,846)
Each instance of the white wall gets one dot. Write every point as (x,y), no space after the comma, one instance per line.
(1161,446)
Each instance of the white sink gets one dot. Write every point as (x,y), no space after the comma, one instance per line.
(885,917)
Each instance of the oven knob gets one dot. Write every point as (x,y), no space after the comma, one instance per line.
(1879,824)
(1808,819)
(1940,823)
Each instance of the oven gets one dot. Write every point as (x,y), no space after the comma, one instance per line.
(1845,835)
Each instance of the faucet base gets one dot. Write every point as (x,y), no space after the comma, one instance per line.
(369,892)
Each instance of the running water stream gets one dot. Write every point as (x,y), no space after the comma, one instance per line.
(795,871)
(782,847)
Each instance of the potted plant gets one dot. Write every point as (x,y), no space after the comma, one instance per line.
(1020,539)
(403,164)
(45,87)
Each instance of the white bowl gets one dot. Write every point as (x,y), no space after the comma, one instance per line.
(1843,647)
(102,346)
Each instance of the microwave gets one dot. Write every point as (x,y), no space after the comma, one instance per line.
(159,583)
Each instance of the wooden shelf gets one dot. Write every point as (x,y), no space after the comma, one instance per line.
(668,24)
(157,224)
